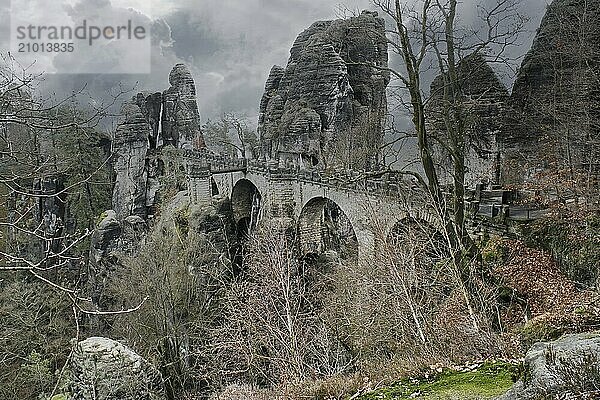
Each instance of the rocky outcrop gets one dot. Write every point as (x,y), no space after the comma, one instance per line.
(484,100)
(568,366)
(111,240)
(554,121)
(150,121)
(130,147)
(327,107)
(151,105)
(106,369)
(180,116)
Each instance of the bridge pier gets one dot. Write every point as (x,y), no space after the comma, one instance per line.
(366,247)
(199,185)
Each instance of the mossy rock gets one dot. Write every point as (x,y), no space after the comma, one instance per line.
(539,330)
(493,252)
(487,382)
(101,218)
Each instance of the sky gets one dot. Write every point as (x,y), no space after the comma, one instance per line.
(229,45)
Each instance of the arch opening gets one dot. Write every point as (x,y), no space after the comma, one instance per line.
(325,230)
(246,203)
(214,188)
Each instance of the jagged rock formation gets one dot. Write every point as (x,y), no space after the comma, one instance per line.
(180,116)
(173,115)
(105,369)
(112,239)
(149,121)
(151,105)
(328,106)
(565,366)
(130,148)
(484,106)
(555,116)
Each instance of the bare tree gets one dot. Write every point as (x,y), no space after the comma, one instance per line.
(47,166)
(274,333)
(427,38)
(231,135)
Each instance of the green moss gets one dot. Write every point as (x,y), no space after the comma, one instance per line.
(101,218)
(493,252)
(539,331)
(572,241)
(182,219)
(489,381)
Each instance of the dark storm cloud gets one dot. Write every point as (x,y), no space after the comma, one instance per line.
(230,45)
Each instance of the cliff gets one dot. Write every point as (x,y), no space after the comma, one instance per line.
(554,117)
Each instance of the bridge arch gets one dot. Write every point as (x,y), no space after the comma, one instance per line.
(417,238)
(404,216)
(246,203)
(322,226)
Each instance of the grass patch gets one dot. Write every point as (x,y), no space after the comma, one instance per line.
(491,380)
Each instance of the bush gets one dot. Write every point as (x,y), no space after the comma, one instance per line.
(574,242)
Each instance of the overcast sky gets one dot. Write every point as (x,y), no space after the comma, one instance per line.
(230,45)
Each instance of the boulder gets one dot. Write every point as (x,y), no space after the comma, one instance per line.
(569,366)
(103,368)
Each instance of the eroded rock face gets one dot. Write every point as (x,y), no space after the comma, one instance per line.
(563,367)
(106,369)
(180,116)
(485,100)
(554,120)
(326,109)
(150,121)
(130,148)
(111,240)
(150,105)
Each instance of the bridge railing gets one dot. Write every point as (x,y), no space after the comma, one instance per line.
(391,184)
(387,184)
(215,162)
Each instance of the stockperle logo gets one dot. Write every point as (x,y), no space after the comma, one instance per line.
(81,36)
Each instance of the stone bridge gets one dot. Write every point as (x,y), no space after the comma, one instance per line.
(298,198)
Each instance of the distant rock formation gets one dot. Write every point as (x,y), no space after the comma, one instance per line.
(328,106)
(180,116)
(150,121)
(485,99)
(105,369)
(555,116)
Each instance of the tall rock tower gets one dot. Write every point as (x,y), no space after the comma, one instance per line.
(554,120)
(327,108)
(180,115)
(484,103)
